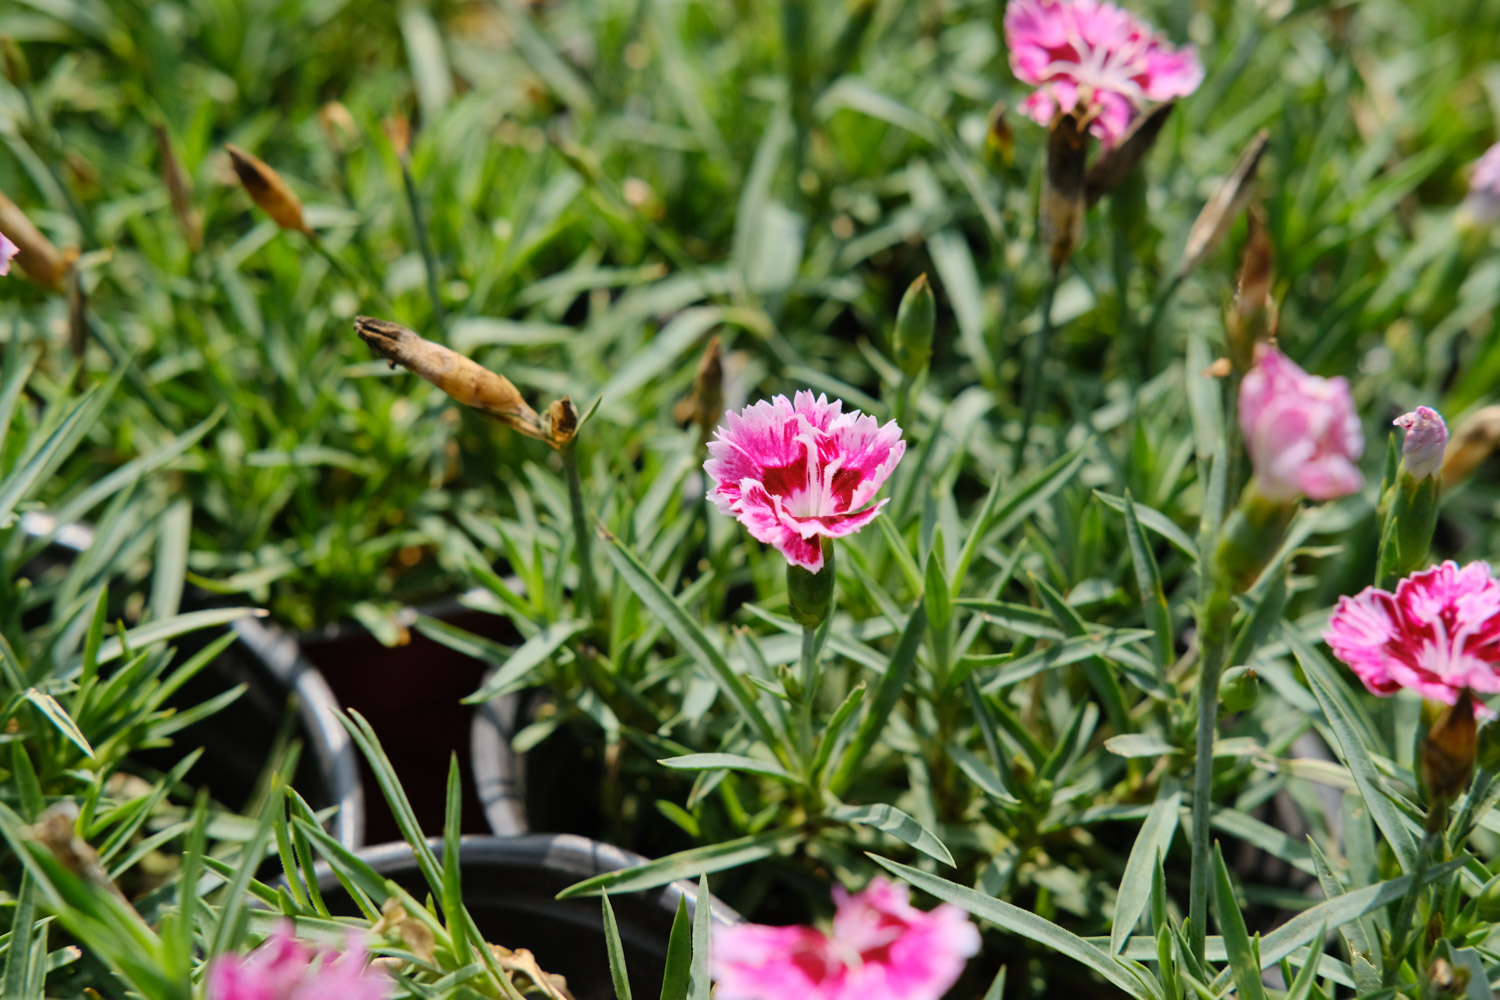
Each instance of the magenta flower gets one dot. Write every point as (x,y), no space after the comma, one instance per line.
(796,472)
(1438,634)
(881,948)
(285,969)
(1483,202)
(1426,439)
(7,251)
(1093,52)
(1301,430)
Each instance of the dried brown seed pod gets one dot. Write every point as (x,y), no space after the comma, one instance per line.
(1213,223)
(179,189)
(267,189)
(1063,202)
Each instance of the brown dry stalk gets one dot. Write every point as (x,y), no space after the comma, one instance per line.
(468,382)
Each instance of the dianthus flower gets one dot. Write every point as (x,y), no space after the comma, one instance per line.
(1096,53)
(7,251)
(881,948)
(1438,634)
(285,969)
(1301,430)
(796,472)
(1483,202)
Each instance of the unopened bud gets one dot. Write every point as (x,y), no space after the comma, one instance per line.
(179,189)
(1063,201)
(809,595)
(790,682)
(1239,689)
(338,127)
(35,253)
(1448,751)
(1426,438)
(915,321)
(704,405)
(1218,215)
(1472,443)
(1253,316)
(14,62)
(1119,161)
(267,189)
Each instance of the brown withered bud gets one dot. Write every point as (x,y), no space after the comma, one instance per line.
(1472,442)
(338,127)
(1000,141)
(1063,201)
(267,189)
(179,189)
(1448,752)
(467,381)
(56,830)
(398,130)
(1112,167)
(1213,223)
(1252,317)
(704,405)
(17,71)
(38,258)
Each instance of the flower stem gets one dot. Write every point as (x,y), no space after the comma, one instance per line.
(1032,378)
(1213,647)
(809,678)
(424,244)
(582,532)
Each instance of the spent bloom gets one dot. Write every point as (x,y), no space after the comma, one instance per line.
(796,472)
(1438,634)
(285,969)
(1094,53)
(1483,202)
(881,948)
(1426,438)
(1301,430)
(7,251)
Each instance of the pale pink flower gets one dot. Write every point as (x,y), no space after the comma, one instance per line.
(1302,431)
(1483,202)
(795,472)
(1426,438)
(7,251)
(881,948)
(1093,52)
(1437,634)
(285,969)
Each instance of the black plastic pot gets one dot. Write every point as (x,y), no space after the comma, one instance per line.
(510,885)
(499,775)
(238,739)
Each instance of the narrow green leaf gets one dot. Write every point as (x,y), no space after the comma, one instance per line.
(1147,856)
(729,762)
(615,950)
(28,787)
(528,656)
(888,819)
(835,728)
(709,858)
(453,897)
(1139,745)
(168,628)
(699,983)
(58,716)
(1148,583)
(1307,976)
(1237,943)
(887,693)
(679,965)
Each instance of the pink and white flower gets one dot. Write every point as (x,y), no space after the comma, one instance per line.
(796,472)
(1438,634)
(1426,439)
(1483,202)
(1301,430)
(1093,52)
(881,948)
(7,251)
(283,968)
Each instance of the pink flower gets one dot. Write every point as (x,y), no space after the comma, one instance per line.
(1483,202)
(7,251)
(881,948)
(1088,50)
(795,472)
(1426,438)
(285,969)
(1301,430)
(1437,634)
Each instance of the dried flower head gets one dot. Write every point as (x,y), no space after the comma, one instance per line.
(881,948)
(1095,57)
(1063,192)
(267,189)
(1437,635)
(704,405)
(1302,431)
(794,472)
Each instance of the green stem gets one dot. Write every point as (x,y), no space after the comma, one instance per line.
(429,260)
(1402,925)
(582,531)
(1213,647)
(809,679)
(903,403)
(1032,377)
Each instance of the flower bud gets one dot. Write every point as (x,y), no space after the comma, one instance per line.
(1000,141)
(1426,437)
(1063,201)
(809,595)
(1448,751)
(267,189)
(1118,162)
(34,252)
(915,321)
(179,189)
(1218,215)
(338,127)
(704,405)
(1252,319)
(1239,689)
